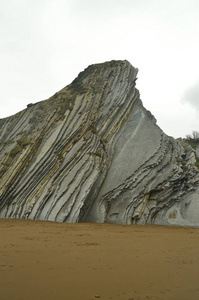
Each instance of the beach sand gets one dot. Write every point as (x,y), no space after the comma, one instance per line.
(47,260)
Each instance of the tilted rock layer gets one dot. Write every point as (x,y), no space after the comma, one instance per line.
(93,153)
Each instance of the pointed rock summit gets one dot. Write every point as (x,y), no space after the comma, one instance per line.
(93,153)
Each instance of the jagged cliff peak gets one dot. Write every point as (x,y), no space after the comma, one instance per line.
(92,152)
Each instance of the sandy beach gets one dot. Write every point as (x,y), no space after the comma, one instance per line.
(46,260)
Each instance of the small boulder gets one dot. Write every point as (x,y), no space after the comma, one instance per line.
(29,105)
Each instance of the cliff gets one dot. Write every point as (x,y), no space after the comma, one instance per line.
(93,153)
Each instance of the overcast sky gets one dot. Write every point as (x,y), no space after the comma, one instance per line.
(45,44)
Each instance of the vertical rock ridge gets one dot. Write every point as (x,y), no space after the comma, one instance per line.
(92,152)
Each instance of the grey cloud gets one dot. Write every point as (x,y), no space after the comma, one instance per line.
(191,95)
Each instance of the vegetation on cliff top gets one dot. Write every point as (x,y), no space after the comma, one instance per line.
(193,140)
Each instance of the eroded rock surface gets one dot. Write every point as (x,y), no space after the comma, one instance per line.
(93,153)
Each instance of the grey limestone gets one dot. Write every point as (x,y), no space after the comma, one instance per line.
(93,153)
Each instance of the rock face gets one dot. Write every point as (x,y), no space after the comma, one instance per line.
(93,153)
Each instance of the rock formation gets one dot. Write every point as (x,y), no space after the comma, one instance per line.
(93,153)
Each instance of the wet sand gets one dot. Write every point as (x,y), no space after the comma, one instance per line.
(46,260)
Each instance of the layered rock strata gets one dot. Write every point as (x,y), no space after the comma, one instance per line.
(93,153)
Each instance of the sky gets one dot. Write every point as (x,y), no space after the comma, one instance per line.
(46,43)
